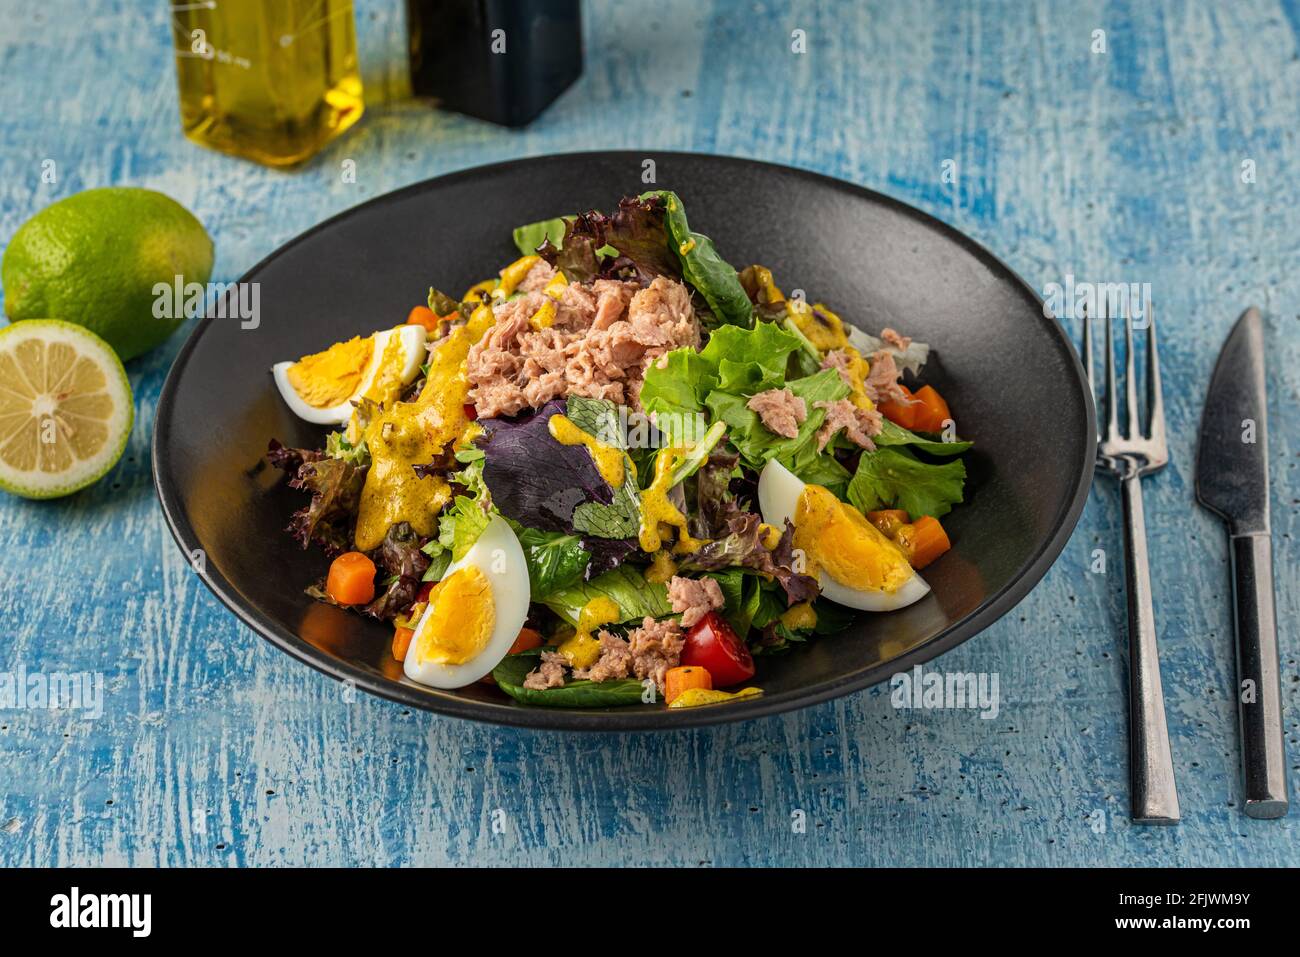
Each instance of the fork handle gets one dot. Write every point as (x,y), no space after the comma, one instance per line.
(1154,794)
(1259,704)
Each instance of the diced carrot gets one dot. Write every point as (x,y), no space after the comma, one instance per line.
(423,316)
(351,580)
(923,541)
(931,411)
(528,638)
(401,642)
(900,412)
(684,678)
(888,520)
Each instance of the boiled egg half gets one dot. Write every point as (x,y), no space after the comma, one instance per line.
(854,562)
(323,387)
(474,613)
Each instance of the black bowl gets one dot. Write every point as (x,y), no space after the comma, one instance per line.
(1009,373)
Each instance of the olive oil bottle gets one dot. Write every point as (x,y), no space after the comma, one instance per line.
(273,82)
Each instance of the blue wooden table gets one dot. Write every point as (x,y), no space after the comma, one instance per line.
(1169,156)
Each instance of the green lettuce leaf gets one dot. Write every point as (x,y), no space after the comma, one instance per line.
(893,434)
(755,442)
(555,561)
(529,237)
(625,585)
(894,478)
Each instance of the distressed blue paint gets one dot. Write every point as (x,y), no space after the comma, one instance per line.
(216,749)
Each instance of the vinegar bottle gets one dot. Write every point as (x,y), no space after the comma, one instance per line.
(273,82)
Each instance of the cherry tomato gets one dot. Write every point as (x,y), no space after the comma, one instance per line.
(471,413)
(423,594)
(712,644)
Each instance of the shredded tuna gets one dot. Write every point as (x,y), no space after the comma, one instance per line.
(602,340)
(694,597)
(549,674)
(882,381)
(893,338)
(780,410)
(656,646)
(839,360)
(858,424)
(615,660)
(537,277)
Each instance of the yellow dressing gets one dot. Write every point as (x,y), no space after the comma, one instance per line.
(413,433)
(662,568)
(836,538)
(331,377)
(657,510)
(694,697)
(823,329)
(458,624)
(608,460)
(765,282)
(583,648)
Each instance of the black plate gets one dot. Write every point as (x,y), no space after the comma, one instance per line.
(1009,373)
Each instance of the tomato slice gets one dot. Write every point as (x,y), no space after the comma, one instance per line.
(712,644)
(471,413)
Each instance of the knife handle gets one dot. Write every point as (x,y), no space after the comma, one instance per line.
(1153,792)
(1259,686)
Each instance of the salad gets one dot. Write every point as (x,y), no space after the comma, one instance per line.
(619,471)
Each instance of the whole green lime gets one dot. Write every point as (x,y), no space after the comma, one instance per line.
(100,259)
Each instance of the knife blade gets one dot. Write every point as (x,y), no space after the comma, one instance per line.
(1232,481)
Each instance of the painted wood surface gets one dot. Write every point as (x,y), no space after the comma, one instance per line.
(1116,166)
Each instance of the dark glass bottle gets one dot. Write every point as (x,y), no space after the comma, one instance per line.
(500,60)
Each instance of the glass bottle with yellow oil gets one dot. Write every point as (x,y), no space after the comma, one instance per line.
(270,81)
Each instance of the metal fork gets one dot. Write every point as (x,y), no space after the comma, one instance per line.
(1154,795)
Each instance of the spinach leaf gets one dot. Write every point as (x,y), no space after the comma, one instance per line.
(625,585)
(895,478)
(702,267)
(528,238)
(513,669)
(555,560)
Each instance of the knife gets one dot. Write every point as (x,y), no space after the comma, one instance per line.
(1232,481)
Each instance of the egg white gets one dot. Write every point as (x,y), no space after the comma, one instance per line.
(778,498)
(498,555)
(413,340)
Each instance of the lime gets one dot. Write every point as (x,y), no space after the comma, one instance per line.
(65,408)
(95,258)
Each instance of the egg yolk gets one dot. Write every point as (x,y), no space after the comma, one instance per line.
(331,377)
(657,509)
(387,383)
(837,539)
(458,624)
(607,459)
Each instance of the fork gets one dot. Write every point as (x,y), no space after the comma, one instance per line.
(1130,456)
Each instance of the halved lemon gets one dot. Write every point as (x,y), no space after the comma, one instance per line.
(322,388)
(65,408)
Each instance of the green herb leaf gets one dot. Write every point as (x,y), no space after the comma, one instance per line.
(555,560)
(894,434)
(702,267)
